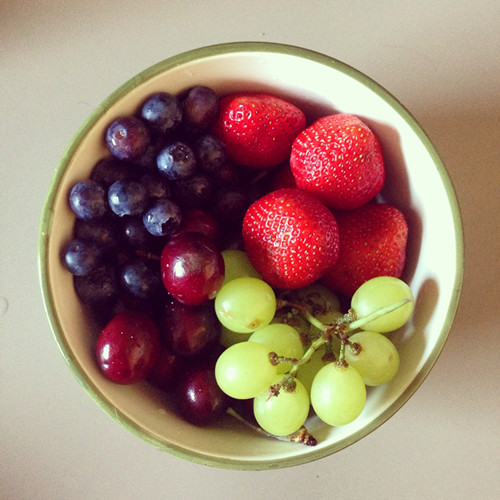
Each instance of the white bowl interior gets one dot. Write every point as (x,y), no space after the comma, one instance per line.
(417,183)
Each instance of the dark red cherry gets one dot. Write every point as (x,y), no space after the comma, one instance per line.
(166,370)
(199,398)
(128,346)
(192,268)
(198,221)
(190,331)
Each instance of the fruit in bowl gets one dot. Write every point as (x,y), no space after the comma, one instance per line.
(413,179)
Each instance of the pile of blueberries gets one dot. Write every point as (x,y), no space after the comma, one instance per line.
(166,173)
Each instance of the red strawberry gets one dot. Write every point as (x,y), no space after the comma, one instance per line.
(290,237)
(372,243)
(258,129)
(338,159)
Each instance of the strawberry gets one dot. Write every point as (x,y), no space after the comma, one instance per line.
(372,243)
(338,159)
(290,237)
(258,129)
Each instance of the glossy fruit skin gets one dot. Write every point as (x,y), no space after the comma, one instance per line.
(198,221)
(162,112)
(127,347)
(127,138)
(290,237)
(88,201)
(258,129)
(192,268)
(199,398)
(373,241)
(339,159)
(199,108)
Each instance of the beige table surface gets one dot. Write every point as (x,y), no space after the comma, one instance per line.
(60,58)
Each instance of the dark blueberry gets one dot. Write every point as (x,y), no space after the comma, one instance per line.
(139,279)
(195,192)
(156,185)
(162,218)
(147,161)
(228,175)
(99,287)
(135,234)
(200,107)
(127,197)
(102,232)
(127,138)
(176,161)
(162,111)
(88,201)
(109,170)
(210,153)
(81,257)
(230,205)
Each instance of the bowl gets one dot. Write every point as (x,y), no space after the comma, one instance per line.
(417,182)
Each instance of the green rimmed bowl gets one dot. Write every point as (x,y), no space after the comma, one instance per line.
(417,182)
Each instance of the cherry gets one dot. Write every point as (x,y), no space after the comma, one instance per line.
(127,347)
(190,331)
(166,370)
(192,268)
(199,398)
(198,221)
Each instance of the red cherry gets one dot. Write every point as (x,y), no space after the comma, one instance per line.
(192,268)
(127,348)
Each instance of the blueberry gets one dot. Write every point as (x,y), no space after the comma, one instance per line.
(195,192)
(156,185)
(135,234)
(109,170)
(88,201)
(138,279)
(176,161)
(81,257)
(99,287)
(102,232)
(200,107)
(162,111)
(127,138)
(162,218)
(210,153)
(230,204)
(127,197)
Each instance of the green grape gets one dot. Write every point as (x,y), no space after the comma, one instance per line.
(245,304)
(338,394)
(308,371)
(281,339)
(318,298)
(378,361)
(282,414)
(244,370)
(237,265)
(228,337)
(378,293)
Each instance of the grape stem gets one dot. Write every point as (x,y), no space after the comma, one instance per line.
(347,323)
(301,436)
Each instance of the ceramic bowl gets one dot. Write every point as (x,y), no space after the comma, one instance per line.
(417,182)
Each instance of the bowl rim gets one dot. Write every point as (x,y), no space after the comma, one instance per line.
(48,215)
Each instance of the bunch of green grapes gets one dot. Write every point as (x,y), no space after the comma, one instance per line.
(287,367)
